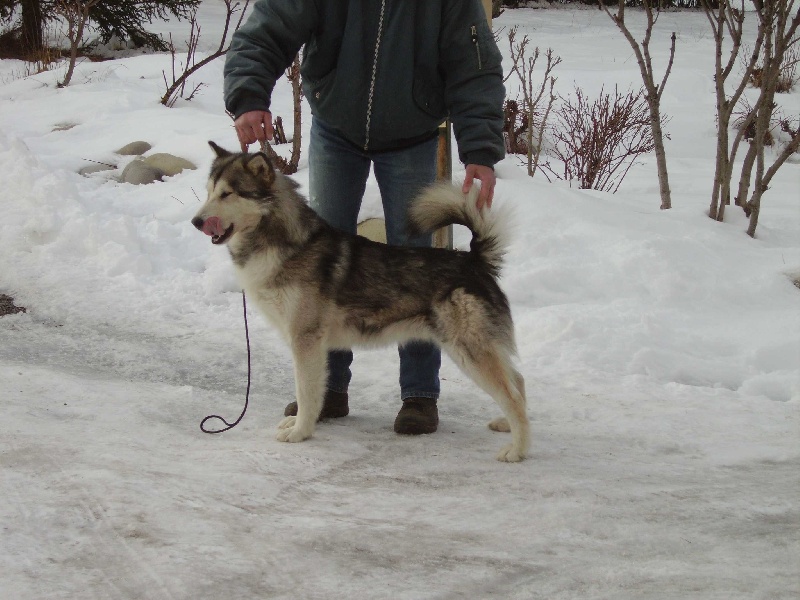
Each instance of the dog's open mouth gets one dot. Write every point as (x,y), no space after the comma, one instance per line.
(212,227)
(223,237)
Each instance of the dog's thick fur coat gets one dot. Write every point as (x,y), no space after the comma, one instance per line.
(324,289)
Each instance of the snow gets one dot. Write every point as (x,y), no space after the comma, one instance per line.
(660,350)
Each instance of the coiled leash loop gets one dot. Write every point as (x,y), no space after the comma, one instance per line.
(247,395)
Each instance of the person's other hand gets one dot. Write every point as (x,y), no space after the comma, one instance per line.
(254,126)
(487,178)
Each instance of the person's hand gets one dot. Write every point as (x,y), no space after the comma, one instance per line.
(254,126)
(487,178)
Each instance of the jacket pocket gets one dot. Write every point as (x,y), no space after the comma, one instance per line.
(318,90)
(473,36)
(484,47)
(429,98)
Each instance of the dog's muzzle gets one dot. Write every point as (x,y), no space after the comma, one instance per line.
(212,226)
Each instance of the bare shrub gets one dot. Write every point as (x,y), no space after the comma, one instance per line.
(597,141)
(787,78)
(790,126)
(278,132)
(778,23)
(772,62)
(515,128)
(287,167)
(757,77)
(177,87)
(43,60)
(726,18)
(744,122)
(35,61)
(526,121)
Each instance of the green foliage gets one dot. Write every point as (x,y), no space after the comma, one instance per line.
(124,18)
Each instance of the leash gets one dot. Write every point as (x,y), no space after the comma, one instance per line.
(266,148)
(247,394)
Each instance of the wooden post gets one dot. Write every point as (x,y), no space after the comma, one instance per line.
(443,238)
(375,229)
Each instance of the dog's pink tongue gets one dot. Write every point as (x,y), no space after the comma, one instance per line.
(213,226)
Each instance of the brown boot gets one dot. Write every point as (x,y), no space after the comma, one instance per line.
(334,405)
(418,415)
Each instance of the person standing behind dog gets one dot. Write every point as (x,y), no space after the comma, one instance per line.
(380,77)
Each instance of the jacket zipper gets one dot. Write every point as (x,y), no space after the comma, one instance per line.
(474,32)
(374,75)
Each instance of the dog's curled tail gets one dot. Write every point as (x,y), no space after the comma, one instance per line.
(443,204)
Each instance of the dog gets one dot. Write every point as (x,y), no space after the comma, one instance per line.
(324,289)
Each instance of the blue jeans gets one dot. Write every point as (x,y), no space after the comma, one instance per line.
(338,174)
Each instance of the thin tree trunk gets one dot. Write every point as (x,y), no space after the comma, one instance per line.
(721,163)
(744,180)
(73,52)
(653,92)
(723,187)
(297,94)
(32,25)
(529,141)
(755,207)
(661,156)
(773,57)
(716,209)
(724,17)
(77,15)
(762,126)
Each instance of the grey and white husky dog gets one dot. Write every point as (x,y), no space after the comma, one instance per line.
(324,289)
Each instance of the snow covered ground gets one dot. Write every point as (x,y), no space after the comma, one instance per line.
(661,351)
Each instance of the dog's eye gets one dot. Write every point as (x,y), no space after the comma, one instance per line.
(224,195)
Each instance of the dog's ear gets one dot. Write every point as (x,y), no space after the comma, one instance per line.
(218,150)
(260,166)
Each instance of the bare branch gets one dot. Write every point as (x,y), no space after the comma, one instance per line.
(669,66)
(176,88)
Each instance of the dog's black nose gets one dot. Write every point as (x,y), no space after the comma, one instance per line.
(198,222)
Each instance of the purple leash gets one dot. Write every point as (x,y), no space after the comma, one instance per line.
(247,395)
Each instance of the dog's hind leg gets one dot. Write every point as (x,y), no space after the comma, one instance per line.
(310,367)
(501,423)
(491,369)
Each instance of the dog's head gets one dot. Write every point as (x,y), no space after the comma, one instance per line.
(239,194)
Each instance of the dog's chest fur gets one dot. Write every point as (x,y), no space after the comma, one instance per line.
(257,277)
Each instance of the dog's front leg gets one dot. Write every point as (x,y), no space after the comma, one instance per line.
(310,368)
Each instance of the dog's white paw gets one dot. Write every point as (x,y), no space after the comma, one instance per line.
(293,434)
(500,424)
(287,423)
(510,454)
